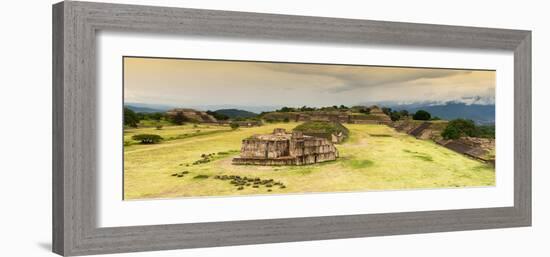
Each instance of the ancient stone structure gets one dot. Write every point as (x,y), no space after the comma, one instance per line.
(342,117)
(192,115)
(421,129)
(375,116)
(282,148)
(477,148)
(242,123)
(333,131)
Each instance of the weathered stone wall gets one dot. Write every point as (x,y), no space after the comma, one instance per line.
(358,121)
(370,119)
(252,148)
(256,148)
(316,158)
(276,149)
(265,162)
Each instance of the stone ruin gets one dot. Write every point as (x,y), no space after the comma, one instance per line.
(474,147)
(376,116)
(282,148)
(477,148)
(193,115)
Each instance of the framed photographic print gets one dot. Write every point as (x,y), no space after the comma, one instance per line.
(183,128)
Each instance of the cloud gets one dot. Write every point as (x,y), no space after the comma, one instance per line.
(482,100)
(203,82)
(354,77)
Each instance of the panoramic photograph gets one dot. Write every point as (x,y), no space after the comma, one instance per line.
(210,128)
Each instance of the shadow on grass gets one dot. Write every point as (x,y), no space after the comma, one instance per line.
(358,164)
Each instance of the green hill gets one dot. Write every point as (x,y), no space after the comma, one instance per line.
(236,113)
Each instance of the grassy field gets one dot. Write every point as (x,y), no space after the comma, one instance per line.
(175,132)
(375,157)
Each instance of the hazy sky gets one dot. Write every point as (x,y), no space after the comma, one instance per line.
(180,82)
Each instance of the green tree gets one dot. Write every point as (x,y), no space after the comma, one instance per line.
(156,116)
(365,110)
(130,118)
(286,109)
(387,110)
(234,125)
(422,115)
(451,132)
(404,113)
(218,116)
(458,128)
(307,109)
(486,131)
(466,127)
(395,116)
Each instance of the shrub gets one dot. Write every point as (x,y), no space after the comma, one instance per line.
(147,138)
(404,113)
(365,110)
(234,125)
(201,176)
(422,115)
(159,127)
(487,131)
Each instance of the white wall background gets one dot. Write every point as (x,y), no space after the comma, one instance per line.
(25,125)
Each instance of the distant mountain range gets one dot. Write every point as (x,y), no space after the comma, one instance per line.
(148,108)
(231,113)
(142,109)
(480,114)
(236,113)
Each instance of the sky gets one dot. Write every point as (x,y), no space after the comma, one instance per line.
(196,83)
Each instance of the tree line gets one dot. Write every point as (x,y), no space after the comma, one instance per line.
(132,118)
(458,128)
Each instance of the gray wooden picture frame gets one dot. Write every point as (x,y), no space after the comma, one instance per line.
(75,25)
